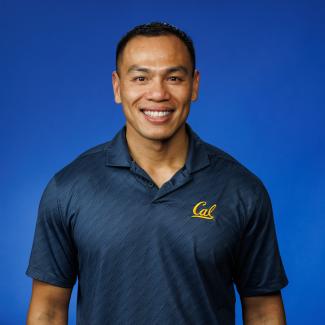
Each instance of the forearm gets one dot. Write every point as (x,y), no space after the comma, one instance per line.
(49,304)
(266,310)
(47,312)
(273,319)
(46,317)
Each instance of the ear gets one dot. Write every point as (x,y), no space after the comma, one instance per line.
(116,87)
(195,86)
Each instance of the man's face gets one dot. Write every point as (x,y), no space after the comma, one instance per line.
(155,85)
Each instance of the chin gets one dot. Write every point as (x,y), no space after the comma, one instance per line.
(154,133)
(157,136)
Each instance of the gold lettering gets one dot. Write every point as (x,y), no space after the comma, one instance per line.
(196,207)
(203,213)
(211,209)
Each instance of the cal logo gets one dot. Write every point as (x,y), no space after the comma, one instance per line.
(201,210)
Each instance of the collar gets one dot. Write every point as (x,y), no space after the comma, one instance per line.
(117,152)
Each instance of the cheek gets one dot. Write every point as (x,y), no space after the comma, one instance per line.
(132,94)
(183,97)
(182,94)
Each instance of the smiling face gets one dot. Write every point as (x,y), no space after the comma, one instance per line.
(155,86)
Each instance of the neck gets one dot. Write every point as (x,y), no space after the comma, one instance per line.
(154,155)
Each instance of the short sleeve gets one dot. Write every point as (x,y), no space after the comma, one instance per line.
(53,257)
(258,267)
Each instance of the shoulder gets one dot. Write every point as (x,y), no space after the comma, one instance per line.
(218,156)
(239,185)
(86,165)
(234,174)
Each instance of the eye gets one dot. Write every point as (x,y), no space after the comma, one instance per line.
(139,79)
(174,79)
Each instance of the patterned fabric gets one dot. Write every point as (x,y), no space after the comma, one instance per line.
(149,255)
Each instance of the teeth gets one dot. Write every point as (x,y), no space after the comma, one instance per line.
(156,113)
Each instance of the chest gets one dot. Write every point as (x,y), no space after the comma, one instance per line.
(123,223)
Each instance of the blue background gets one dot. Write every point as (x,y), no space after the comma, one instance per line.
(261,100)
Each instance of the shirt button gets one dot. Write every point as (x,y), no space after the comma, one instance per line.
(150,184)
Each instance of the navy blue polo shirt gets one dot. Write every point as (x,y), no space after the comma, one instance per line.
(149,255)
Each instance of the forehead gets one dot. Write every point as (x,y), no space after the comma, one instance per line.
(155,51)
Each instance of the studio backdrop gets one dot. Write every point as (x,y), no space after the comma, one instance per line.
(261,100)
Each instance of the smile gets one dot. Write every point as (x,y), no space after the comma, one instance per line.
(157,113)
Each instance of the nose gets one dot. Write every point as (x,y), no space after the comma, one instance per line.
(157,91)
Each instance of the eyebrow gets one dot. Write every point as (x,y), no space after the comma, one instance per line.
(178,68)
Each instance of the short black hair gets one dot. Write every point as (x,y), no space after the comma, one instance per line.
(155,28)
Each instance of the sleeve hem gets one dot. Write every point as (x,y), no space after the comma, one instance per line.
(261,291)
(37,275)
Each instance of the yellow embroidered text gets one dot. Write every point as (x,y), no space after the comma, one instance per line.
(205,213)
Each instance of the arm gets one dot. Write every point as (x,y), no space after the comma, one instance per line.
(267,309)
(49,304)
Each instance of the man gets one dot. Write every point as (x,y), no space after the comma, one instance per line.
(157,225)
